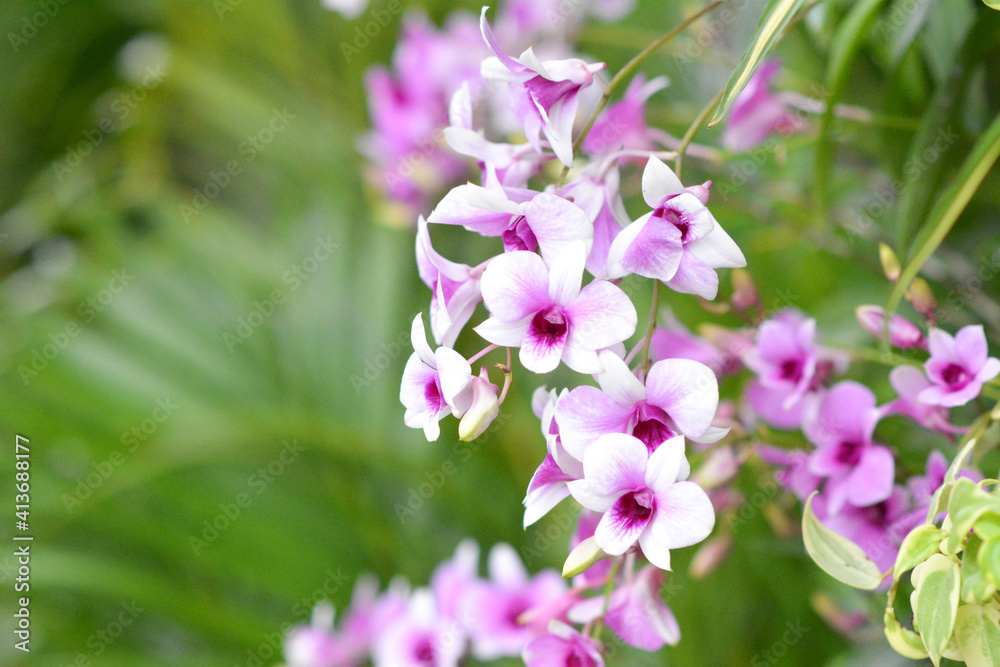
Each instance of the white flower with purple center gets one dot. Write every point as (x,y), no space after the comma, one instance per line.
(644,497)
(680,396)
(958,366)
(545,95)
(678,242)
(435,384)
(542,310)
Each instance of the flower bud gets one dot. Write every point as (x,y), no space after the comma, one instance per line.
(701,191)
(902,333)
(582,557)
(890,263)
(744,291)
(921,296)
(484,409)
(720,467)
(709,556)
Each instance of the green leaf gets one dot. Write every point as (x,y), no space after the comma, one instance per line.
(988,560)
(919,545)
(988,526)
(776,16)
(942,497)
(992,4)
(904,641)
(839,557)
(949,206)
(937,584)
(977,630)
(845,46)
(967,505)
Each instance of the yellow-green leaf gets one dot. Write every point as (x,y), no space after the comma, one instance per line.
(977,630)
(937,583)
(776,16)
(919,545)
(839,557)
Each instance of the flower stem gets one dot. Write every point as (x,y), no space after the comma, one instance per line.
(599,623)
(695,125)
(653,308)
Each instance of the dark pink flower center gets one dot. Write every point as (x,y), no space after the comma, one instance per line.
(877,514)
(550,324)
(635,508)
(515,608)
(579,659)
(424,653)
(791,370)
(652,432)
(518,236)
(849,453)
(953,374)
(432,394)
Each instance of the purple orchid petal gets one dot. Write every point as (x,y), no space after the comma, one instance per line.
(515,285)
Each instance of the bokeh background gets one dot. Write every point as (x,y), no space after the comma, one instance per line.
(205,316)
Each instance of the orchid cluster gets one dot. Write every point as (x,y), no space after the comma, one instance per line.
(619,443)
(415,146)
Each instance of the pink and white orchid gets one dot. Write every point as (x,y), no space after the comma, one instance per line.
(679,396)
(542,310)
(644,497)
(678,242)
(435,384)
(958,367)
(545,95)
(454,288)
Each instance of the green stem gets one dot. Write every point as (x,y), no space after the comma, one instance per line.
(629,67)
(599,624)
(653,308)
(689,135)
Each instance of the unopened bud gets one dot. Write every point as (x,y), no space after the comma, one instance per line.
(744,291)
(484,409)
(701,191)
(720,467)
(921,296)
(709,556)
(902,333)
(582,557)
(890,263)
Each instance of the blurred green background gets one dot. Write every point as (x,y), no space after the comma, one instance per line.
(208,376)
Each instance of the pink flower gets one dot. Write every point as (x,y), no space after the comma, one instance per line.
(902,333)
(548,485)
(643,497)
(562,646)
(421,638)
(434,384)
(622,125)
(542,310)
(598,196)
(757,112)
(635,612)
(679,396)
(545,94)
(454,288)
(314,645)
(878,529)
(858,471)
(958,367)
(794,474)
(545,222)
(496,612)
(678,242)
(909,382)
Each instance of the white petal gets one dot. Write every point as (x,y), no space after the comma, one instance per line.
(659,182)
